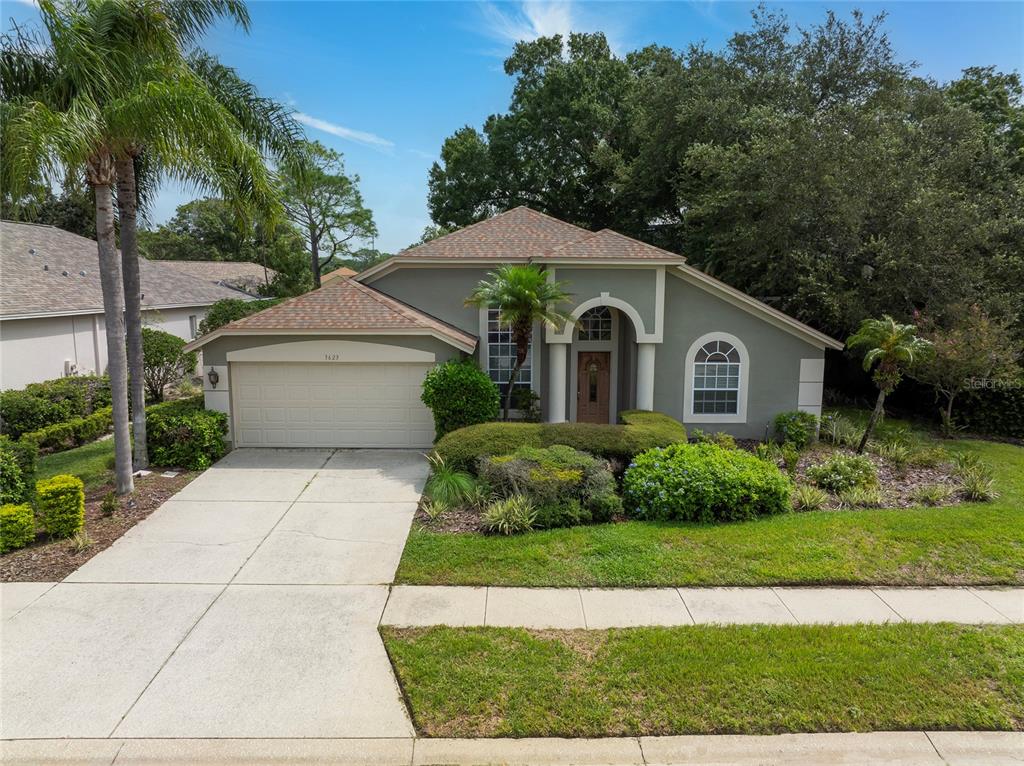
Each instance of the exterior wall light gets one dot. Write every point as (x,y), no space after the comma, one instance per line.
(214,377)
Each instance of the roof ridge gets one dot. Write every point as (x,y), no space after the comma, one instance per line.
(590,235)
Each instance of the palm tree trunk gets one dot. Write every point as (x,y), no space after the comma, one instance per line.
(508,391)
(127,212)
(522,341)
(872,421)
(113,313)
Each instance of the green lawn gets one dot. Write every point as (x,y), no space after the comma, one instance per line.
(980,543)
(492,682)
(88,462)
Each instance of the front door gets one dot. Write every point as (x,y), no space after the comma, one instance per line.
(593,386)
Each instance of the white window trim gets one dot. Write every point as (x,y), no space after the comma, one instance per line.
(741,399)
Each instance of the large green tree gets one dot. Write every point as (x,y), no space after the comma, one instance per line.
(208,229)
(325,204)
(809,167)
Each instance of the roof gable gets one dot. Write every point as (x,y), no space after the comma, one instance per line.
(346,307)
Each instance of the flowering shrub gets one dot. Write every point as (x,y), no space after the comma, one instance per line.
(843,472)
(703,482)
(566,487)
(796,428)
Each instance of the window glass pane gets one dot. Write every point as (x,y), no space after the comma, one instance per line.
(501,355)
(716,379)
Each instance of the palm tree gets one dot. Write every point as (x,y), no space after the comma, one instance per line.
(523,296)
(108,76)
(894,347)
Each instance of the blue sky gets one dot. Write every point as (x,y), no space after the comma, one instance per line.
(386,82)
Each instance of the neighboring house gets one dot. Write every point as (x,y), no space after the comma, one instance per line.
(342,366)
(51,303)
(344,271)
(240,275)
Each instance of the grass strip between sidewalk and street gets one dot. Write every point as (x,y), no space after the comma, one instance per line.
(969,544)
(743,679)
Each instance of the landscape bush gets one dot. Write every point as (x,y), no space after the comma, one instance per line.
(703,482)
(839,430)
(24,456)
(17,526)
(841,472)
(72,433)
(43,404)
(193,440)
(165,361)
(796,427)
(459,394)
(20,411)
(61,502)
(722,439)
(641,430)
(12,484)
(566,487)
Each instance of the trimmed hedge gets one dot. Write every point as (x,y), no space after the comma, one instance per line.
(640,431)
(53,401)
(17,527)
(61,505)
(24,456)
(72,433)
(185,435)
(459,394)
(703,482)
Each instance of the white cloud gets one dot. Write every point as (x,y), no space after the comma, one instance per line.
(509,23)
(359,136)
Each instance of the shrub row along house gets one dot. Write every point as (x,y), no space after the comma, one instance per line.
(343,365)
(51,306)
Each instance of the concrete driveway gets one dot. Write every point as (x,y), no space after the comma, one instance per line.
(246,606)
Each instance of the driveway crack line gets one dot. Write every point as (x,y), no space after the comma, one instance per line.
(930,742)
(686,607)
(895,611)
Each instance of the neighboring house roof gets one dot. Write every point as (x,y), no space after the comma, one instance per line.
(344,271)
(343,307)
(41,268)
(241,275)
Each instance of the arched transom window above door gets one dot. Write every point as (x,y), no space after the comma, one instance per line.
(595,324)
(716,379)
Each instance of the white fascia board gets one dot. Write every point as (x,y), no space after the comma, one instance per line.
(89,312)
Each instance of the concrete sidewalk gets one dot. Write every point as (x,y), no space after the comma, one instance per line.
(596,608)
(905,748)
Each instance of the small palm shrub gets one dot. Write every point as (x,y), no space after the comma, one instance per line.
(703,482)
(446,484)
(807,497)
(932,494)
(861,497)
(566,487)
(796,427)
(434,509)
(897,453)
(509,516)
(459,394)
(978,485)
(61,505)
(842,472)
(17,527)
(838,430)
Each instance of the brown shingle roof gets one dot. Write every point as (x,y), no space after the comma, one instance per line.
(515,235)
(608,245)
(242,275)
(345,305)
(29,289)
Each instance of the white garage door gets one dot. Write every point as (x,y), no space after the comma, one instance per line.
(330,405)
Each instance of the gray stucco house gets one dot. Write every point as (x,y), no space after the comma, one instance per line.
(342,365)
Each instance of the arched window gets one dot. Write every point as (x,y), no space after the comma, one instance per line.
(716,379)
(596,324)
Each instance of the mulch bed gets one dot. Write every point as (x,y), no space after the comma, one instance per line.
(52,560)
